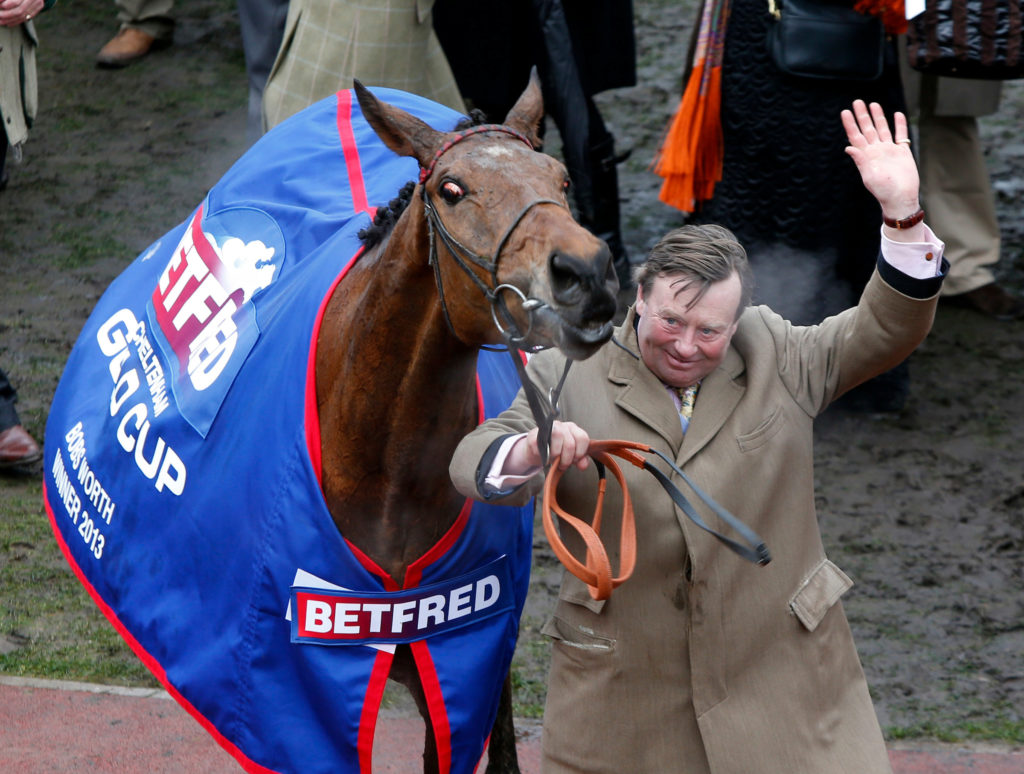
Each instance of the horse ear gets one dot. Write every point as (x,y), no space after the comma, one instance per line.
(402,132)
(526,114)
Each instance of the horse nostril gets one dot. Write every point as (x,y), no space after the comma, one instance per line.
(566,278)
(587,285)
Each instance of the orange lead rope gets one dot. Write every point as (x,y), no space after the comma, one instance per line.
(596,572)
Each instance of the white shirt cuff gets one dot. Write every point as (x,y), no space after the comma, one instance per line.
(920,260)
(498,482)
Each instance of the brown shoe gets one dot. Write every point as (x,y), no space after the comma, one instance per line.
(126,46)
(991,300)
(18,448)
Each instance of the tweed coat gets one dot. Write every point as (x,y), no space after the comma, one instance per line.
(702,662)
(327,43)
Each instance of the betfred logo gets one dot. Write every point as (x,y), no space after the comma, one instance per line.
(328,617)
(203,305)
(200,292)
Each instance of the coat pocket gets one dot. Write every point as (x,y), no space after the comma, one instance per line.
(581,638)
(816,595)
(763,433)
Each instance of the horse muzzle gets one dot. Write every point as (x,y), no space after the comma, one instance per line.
(579,315)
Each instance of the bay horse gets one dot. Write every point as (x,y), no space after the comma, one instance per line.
(486,242)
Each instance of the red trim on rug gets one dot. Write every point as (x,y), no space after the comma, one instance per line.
(480,413)
(357,186)
(435,704)
(312,413)
(390,584)
(151,663)
(371,708)
(351,152)
(414,573)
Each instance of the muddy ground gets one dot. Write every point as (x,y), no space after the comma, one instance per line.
(925,509)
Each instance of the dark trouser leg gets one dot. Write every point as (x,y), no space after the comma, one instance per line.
(3,163)
(8,415)
(599,208)
(262,26)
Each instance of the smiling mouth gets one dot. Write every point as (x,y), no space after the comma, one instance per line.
(681,363)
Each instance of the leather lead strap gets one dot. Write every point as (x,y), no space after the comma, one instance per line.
(596,571)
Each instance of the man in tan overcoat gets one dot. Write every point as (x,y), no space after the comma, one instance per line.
(703,663)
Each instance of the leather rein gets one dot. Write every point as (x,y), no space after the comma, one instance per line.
(595,571)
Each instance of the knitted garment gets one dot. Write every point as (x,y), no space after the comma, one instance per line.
(181,474)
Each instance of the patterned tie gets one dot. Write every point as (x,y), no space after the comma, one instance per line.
(687,397)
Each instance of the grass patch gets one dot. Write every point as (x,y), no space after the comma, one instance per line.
(83,247)
(49,627)
(1000,729)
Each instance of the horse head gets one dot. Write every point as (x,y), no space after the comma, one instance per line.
(507,254)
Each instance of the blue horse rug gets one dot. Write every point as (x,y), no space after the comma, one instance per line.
(182,474)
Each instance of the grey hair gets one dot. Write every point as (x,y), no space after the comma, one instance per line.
(699,255)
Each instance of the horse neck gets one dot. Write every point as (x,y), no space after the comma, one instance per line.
(396,392)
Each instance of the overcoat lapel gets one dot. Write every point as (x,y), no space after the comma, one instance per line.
(719,393)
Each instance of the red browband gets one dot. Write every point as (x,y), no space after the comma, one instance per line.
(427,171)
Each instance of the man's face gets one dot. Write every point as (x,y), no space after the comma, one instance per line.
(681,343)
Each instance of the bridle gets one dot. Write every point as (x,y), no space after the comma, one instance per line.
(543,407)
(596,571)
(464,255)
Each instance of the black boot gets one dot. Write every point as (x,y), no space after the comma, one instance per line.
(601,217)
(3,165)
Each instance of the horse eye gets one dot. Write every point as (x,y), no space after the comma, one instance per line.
(451,191)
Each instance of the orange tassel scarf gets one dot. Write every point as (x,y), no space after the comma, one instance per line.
(892,12)
(690,158)
(691,155)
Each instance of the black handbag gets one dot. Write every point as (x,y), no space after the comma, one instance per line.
(821,39)
(968,39)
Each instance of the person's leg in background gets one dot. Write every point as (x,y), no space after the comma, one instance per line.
(146,25)
(956,193)
(604,220)
(262,25)
(956,190)
(3,163)
(17,447)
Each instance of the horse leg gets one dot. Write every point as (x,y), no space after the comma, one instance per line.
(501,752)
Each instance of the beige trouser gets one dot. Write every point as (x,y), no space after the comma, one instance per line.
(957,195)
(151,16)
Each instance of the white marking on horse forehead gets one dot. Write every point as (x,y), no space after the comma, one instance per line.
(502,151)
(496,156)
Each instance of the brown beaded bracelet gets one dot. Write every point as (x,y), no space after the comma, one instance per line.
(908,222)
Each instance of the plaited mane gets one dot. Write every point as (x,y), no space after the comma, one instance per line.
(386,217)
